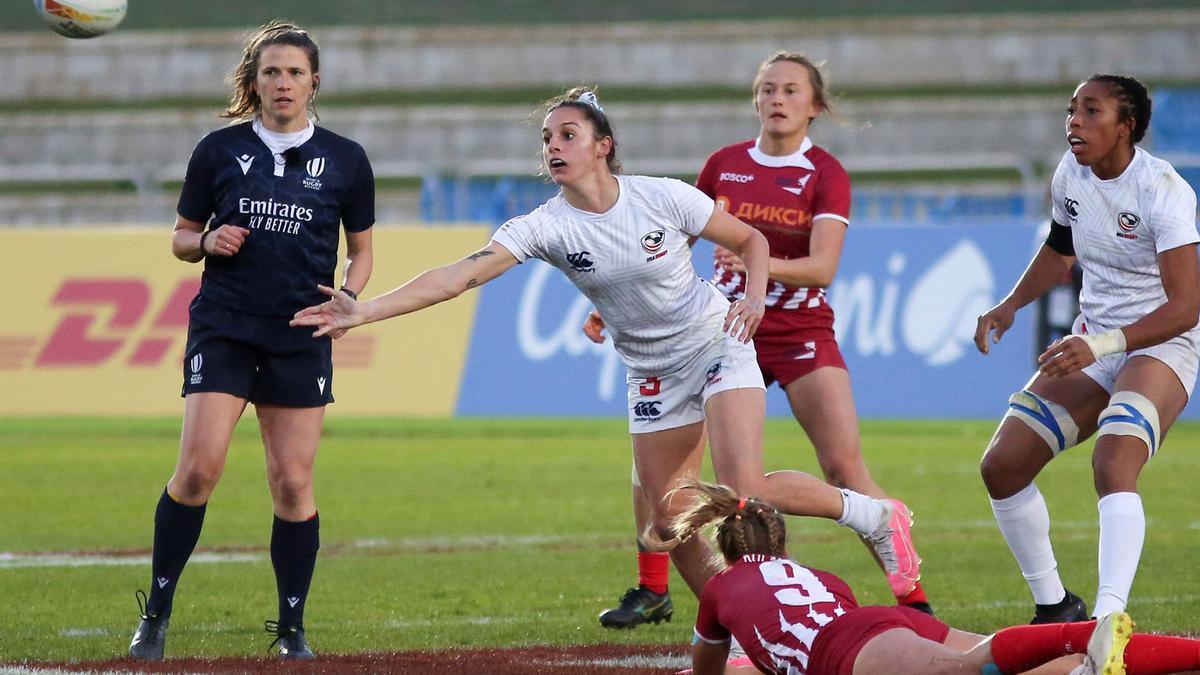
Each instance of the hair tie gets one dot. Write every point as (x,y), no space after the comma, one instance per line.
(589,98)
(741,503)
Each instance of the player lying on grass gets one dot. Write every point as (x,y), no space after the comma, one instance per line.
(795,620)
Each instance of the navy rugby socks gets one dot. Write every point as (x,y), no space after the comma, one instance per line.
(294,555)
(176,531)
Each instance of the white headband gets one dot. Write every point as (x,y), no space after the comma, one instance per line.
(589,98)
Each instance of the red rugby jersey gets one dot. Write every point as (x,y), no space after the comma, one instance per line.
(774,607)
(780,196)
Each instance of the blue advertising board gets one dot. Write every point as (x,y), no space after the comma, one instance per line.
(906,300)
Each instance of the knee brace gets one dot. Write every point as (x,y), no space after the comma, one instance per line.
(1048,419)
(1131,414)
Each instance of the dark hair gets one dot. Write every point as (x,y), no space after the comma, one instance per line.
(1134,102)
(245,102)
(600,124)
(746,524)
(821,93)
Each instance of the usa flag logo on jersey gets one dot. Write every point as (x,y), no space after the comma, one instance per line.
(652,243)
(1128,221)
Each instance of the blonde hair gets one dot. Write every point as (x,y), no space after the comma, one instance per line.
(245,102)
(821,95)
(744,524)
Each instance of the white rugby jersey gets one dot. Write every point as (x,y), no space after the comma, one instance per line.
(633,262)
(1118,228)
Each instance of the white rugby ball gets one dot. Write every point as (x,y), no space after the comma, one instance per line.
(81,18)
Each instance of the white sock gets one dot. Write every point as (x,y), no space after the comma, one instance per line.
(860,512)
(1024,521)
(1122,533)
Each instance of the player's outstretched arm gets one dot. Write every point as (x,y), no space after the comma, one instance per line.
(1044,271)
(426,289)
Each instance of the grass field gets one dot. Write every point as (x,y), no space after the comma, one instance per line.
(475,533)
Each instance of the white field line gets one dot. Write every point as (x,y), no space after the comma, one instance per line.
(18,670)
(637,662)
(40,560)
(9,560)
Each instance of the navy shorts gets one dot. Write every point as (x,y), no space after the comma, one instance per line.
(259,358)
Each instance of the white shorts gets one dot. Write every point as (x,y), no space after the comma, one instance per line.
(1181,354)
(677,399)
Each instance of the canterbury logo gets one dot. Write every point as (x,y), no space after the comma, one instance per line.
(245,161)
(321,384)
(580,262)
(163,581)
(197,363)
(293,601)
(315,167)
(647,409)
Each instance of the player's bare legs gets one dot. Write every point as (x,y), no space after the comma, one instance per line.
(208,422)
(902,651)
(662,459)
(823,403)
(290,437)
(1016,454)
(735,420)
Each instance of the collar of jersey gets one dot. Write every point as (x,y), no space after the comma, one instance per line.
(797,158)
(621,190)
(1137,157)
(277,142)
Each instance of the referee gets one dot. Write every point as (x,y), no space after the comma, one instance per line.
(261,206)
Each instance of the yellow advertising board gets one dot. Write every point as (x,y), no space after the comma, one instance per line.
(93,322)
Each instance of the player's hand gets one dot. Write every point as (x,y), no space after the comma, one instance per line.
(593,326)
(998,319)
(744,316)
(1065,355)
(333,317)
(225,241)
(728,260)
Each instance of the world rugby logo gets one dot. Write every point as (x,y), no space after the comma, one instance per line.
(1127,221)
(315,167)
(197,363)
(651,243)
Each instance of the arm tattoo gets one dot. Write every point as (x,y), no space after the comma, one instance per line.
(480,254)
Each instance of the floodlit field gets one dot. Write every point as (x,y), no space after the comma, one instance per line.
(478,533)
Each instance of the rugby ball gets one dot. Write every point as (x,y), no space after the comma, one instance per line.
(81,18)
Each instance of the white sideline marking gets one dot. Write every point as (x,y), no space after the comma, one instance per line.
(449,621)
(9,560)
(639,662)
(17,670)
(476,541)
(83,632)
(21,560)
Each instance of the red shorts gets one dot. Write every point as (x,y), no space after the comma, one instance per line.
(787,358)
(838,644)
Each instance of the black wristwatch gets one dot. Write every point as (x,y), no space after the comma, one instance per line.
(352,294)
